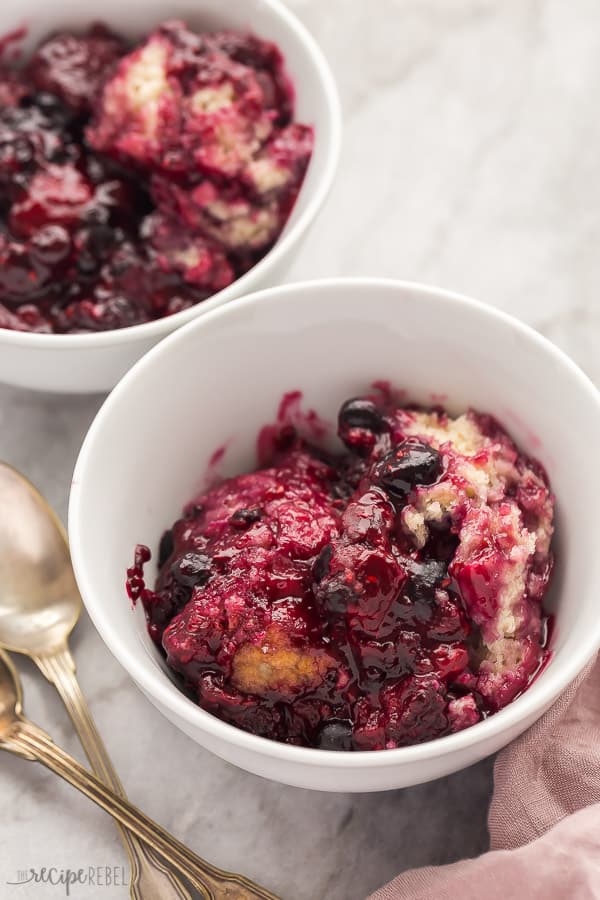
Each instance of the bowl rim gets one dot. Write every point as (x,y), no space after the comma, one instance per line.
(156,685)
(246,282)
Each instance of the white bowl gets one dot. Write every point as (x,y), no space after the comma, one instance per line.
(218,380)
(95,362)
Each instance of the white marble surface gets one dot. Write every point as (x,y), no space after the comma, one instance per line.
(471,161)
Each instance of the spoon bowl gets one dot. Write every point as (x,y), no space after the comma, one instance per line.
(39,599)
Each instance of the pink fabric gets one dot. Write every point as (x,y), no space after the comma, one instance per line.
(544,818)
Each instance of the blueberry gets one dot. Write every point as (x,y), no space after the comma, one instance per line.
(87,264)
(241,518)
(335,595)
(408,464)
(96,168)
(335,734)
(45,100)
(191,569)
(360,413)
(321,565)
(97,240)
(51,106)
(425,577)
(165,548)
(101,238)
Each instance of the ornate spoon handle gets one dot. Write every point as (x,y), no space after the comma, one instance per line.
(30,742)
(150,878)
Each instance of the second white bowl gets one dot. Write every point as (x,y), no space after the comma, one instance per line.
(95,362)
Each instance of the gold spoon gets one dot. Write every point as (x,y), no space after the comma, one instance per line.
(39,607)
(20,736)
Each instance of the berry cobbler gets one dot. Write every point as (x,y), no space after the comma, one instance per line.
(362,601)
(136,181)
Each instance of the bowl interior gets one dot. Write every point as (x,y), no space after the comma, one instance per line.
(217,381)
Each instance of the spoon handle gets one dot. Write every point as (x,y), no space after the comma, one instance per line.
(150,878)
(31,742)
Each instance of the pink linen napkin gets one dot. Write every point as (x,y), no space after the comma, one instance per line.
(544,818)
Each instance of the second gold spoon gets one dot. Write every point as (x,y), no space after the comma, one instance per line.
(20,736)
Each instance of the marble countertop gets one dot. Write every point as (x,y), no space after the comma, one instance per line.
(470,161)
